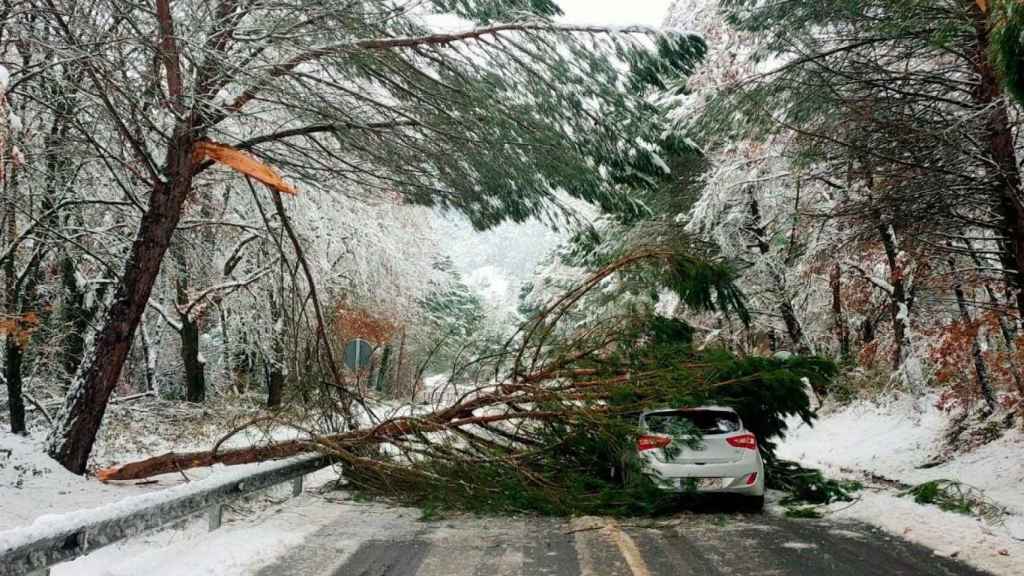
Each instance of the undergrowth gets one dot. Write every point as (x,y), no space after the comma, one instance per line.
(807,485)
(807,490)
(954,496)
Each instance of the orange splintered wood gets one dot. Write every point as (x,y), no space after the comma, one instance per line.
(241,162)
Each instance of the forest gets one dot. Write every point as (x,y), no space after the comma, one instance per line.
(234,203)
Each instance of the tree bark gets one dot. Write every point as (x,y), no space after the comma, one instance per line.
(1007,328)
(275,379)
(905,364)
(195,368)
(79,419)
(150,353)
(191,360)
(12,373)
(1003,169)
(980,369)
(382,375)
(399,367)
(12,347)
(842,332)
(867,331)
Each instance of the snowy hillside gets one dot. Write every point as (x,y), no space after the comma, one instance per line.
(893,444)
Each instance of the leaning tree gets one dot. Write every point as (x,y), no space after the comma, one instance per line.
(494,117)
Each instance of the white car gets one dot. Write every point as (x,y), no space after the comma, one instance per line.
(726,459)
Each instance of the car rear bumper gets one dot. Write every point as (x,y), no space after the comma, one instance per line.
(731,478)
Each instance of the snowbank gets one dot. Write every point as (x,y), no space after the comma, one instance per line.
(892,440)
(51,525)
(239,547)
(32,485)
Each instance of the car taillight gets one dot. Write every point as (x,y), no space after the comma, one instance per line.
(743,441)
(651,442)
(752,479)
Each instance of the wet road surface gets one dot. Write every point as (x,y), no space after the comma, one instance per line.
(375,544)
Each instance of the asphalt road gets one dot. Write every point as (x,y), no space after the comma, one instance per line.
(376,544)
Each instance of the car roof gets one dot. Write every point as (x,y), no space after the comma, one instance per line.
(692,409)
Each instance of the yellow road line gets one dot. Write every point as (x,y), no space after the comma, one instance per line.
(630,551)
(611,531)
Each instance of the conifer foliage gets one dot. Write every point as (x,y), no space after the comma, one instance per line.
(486,107)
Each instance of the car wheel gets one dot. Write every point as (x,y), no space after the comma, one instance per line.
(752,504)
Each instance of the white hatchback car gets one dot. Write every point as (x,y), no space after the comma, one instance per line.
(726,459)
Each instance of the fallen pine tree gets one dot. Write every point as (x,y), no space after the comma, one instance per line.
(559,414)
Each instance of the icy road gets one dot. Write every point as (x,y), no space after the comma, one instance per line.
(688,544)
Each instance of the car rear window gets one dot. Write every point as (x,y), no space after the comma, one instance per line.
(681,422)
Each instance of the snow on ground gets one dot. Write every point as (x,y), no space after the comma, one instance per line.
(893,439)
(33,485)
(254,534)
(49,525)
(986,547)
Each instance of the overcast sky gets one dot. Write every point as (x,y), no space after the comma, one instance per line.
(619,12)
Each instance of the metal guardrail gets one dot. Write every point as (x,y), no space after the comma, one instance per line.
(79,538)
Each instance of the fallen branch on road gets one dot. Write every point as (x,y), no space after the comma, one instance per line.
(551,433)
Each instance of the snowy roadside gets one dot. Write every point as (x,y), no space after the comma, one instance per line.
(32,485)
(256,532)
(875,442)
(39,497)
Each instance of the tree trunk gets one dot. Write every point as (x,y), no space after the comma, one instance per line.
(75,315)
(793,328)
(867,331)
(399,375)
(12,347)
(1003,169)
(1007,328)
(842,332)
(150,353)
(12,373)
(275,380)
(79,419)
(382,375)
(980,369)
(191,359)
(195,367)
(904,362)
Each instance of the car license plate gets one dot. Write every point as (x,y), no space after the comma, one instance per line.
(709,483)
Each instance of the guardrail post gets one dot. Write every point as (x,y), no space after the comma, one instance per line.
(297,485)
(215,514)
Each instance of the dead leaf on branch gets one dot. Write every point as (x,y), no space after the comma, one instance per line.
(21,327)
(241,162)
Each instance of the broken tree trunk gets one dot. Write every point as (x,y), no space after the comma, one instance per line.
(337,445)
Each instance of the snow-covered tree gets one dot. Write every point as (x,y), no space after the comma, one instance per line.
(375,99)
